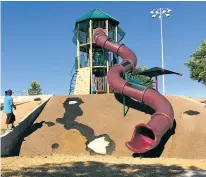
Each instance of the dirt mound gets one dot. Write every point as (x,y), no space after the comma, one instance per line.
(74,125)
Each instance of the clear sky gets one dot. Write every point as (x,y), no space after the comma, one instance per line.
(37,41)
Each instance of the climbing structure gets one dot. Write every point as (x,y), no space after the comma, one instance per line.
(92,62)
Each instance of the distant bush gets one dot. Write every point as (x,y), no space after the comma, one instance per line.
(35,89)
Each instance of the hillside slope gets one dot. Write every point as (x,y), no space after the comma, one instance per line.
(64,128)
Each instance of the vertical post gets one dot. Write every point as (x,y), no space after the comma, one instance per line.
(90,53)
(107,33)
(156,83)
(162,51)
(116,33)
(78,48)
(116,38)
(126,77)
(124,106)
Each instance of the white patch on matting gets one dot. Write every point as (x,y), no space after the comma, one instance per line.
(72,102)
(99,145)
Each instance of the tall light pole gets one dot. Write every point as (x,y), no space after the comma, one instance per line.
(160,13)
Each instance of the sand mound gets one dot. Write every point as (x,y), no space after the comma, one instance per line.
(73,125)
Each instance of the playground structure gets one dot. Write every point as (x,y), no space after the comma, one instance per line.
(54,139)
(93,62)
(98,49)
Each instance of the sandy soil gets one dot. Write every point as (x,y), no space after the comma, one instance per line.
(21,111)
(97,166)
(55,144)
(70,127)
(201,100)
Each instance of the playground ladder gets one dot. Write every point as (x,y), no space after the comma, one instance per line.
(72,83)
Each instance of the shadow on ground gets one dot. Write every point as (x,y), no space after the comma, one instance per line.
(72,111)
(134,104)
(192,112)
(34,127)
(50,124)
(97,169)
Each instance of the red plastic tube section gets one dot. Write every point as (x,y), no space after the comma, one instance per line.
(145,136)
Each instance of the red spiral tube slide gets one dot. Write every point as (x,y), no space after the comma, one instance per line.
(145,136)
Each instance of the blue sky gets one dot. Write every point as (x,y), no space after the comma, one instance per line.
(37,41)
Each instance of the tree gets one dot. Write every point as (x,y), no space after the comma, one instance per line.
(35,89)
(144,79)
(197,64)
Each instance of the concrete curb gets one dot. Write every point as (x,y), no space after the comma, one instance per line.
(10,139)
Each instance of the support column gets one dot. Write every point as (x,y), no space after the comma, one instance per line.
(156,82)
(116,38)
(78,48)
(107,33)
(116,33)
(90,53)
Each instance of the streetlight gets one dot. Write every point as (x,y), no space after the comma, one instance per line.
(160,13)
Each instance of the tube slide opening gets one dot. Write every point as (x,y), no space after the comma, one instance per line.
(143,139)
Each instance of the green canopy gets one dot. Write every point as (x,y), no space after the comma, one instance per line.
(96,14)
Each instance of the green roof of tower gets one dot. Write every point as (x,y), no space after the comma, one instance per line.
(96,14)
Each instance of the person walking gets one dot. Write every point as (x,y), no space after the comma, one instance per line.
(8,110)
